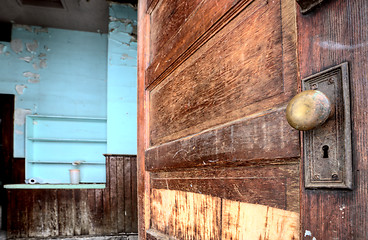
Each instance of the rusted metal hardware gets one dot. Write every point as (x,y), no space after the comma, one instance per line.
(327,148)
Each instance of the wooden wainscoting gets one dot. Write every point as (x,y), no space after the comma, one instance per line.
(75,212)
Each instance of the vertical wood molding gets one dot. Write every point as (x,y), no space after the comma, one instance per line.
(143,187)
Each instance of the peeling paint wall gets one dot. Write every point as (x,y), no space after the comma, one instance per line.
(53,72)
(122,80)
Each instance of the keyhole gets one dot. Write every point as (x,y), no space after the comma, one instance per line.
(325,151)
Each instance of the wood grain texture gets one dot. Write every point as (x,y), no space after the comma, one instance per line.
(193,98)
(128,195)
(335,33)
(51,213)
(185,215)
(275,186)
(251,221)
(212,16)
(150,5)
(211,117)
(259,139)
(153,234)
(168,17)
(121,197)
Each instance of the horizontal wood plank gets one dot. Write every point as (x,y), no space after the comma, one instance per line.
(271,185)
(256,140)
(266,191)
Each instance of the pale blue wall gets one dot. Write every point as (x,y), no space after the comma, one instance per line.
(72,67)
(122,81)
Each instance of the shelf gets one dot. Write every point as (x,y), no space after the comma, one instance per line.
(67,140)
(53,143)
(61,162)
(58,118)
(56,186)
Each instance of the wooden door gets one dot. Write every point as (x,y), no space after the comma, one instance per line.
(329,35)
(217,159)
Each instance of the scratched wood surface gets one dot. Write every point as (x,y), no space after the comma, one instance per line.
(188,35)
(272,185)
(76,212)
(337,32)
(250,221)
(186,215)
(259,139)
(164,29)
(213,86)
(252,69)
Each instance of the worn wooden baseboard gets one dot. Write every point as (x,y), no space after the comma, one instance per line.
(70,213)
(117,237)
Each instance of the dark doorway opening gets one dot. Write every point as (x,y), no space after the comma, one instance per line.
(6,149)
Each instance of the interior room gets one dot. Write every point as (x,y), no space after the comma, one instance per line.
(68,118)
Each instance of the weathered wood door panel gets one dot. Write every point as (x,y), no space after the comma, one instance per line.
(334,33)
(217,159)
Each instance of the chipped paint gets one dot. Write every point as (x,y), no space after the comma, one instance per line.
(121,61)
(41,30)
(16,45)
(18,132)
(309,234)
(58,92)
(20,88)
(26,59)
(2,48)
(35,66)
(32,77)
(20,115)
(26,27)
(126,56)
(32,46)
(43,63)
(32,80)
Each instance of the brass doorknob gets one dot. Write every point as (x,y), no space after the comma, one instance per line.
(308,110)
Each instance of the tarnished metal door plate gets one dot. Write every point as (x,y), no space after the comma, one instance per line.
(327,149)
